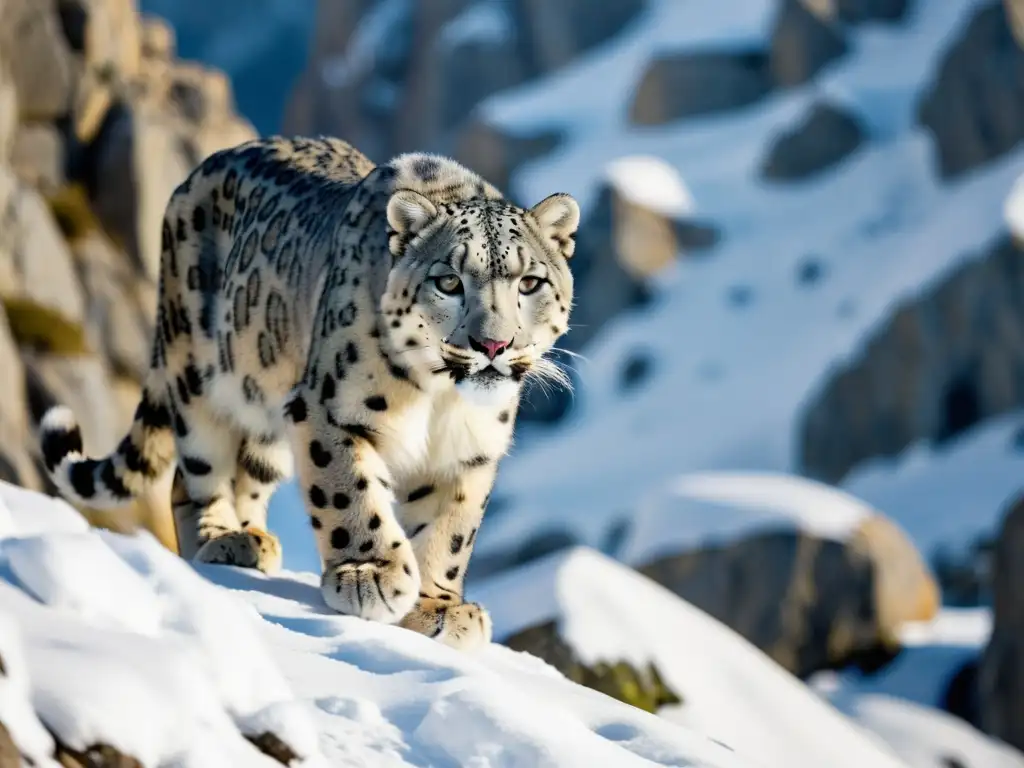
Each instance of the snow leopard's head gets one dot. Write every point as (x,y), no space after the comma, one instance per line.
(480,289)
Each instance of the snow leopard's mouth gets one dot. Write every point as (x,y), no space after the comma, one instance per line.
(488,376)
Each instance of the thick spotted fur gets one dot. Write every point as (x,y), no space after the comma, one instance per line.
(371,324)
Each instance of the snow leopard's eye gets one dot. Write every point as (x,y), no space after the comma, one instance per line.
(530,284)
(449,285)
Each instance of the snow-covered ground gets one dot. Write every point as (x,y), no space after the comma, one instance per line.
(932,653)
(112,639)
(898,704)
(952,495)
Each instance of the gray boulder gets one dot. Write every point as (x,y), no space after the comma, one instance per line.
(37,55)
(171,118)
(642,687)
(809,603)
(857,11)
(433,63)
(38,156)
(1015,15)
(942,362)
(680,85)
(803,42)
(496,153)
(35,263)
(975,107)
(1000,674)
(120,307)
(821,140)
(16,465)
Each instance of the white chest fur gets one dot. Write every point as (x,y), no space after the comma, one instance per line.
(434,436)
(461,430)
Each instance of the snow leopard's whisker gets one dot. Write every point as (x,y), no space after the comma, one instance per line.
(569,353)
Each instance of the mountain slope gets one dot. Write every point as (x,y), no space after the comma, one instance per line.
(738,340)
(113,640)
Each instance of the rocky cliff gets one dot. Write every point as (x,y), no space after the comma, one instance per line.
(953,355)
(98,123)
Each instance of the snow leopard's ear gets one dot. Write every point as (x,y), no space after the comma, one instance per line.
(409,212)
(557,218)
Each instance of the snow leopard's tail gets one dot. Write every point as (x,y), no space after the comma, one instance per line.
(142,456)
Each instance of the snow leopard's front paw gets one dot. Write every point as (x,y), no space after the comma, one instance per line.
(465,626)
(251,548)
(382,588)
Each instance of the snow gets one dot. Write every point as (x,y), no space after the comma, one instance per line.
(16,713)
(898,704)
(48,569)
(933,653)
(729,383)
(1014,208)
(952,495)
(369,38)
(925,738)
(731,690)
(486,23)
(126,645)
(80,644)
(969,627)
(568,97)
(709,507)
(237,652)
(652,183)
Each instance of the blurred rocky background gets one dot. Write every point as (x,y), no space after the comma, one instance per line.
(99,121)
(106,104)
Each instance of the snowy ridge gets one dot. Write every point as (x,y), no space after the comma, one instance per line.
(703,508)
(112,639)
(730,690)
(126,645)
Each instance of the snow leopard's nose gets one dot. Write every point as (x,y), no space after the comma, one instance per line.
(490,347)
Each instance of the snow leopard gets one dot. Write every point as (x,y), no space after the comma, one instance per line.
(365,328)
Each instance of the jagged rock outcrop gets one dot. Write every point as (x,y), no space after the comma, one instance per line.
(262,45)
(943,361)
(495,152)
(975,107)
(1015,15)
(624,240)
(809,603)
(687,84)
(856,11)
(98,124)
(803,42)
(643,688)
(826,136)
(432,63)
(273,746)
(97,756)
(1000,673)
(676,86)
